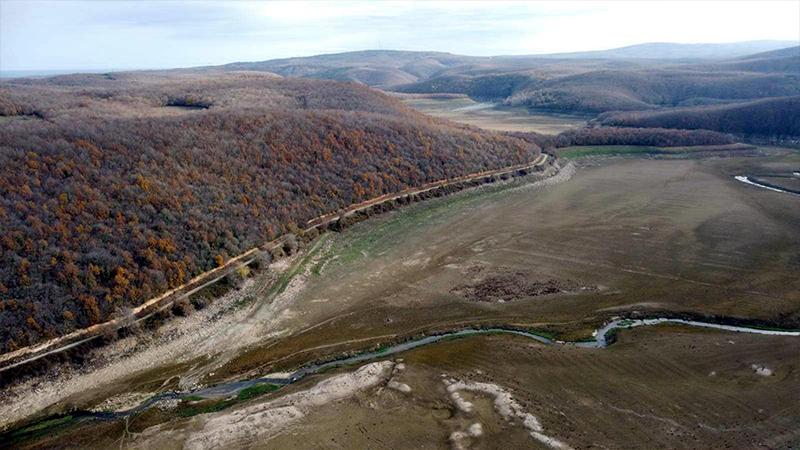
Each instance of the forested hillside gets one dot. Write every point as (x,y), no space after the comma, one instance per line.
(624,89)
(599,135)
(600,91)
(783,60)
(482,86)
(775,117)
(117,187)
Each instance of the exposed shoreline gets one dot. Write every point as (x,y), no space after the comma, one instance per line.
(602,337)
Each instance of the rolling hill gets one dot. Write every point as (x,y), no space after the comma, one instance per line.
(608,90)
(380,68)
(670,50)
(117,187)
(783,60)
(771,117)
(649,76)
(390,68)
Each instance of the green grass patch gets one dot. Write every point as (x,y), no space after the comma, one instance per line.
(382,349)
(330,368)
(579,151)
(284,279)
(382,234)
(542,333)
(204,408)
(317,269)
(612,335)
(600,150)
(41,426)
(256,390)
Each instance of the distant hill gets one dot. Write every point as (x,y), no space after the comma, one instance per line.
(600,91)
(667,50)
(489,86)
(785,60)
(639,77)
(774,117)
(390,68)
(379,68)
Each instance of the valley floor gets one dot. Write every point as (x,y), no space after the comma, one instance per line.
(623,236)
(493,116)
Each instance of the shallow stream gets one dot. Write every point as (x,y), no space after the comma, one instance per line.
(600,339)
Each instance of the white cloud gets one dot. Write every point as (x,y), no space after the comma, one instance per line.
(84,34)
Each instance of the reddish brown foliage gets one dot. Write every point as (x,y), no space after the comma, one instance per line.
(104,207)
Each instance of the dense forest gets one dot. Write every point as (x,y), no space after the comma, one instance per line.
(117,187)
(483,86)
(656,137)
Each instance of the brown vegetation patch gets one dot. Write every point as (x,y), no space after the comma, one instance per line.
(512,285)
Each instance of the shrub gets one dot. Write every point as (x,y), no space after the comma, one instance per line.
(262,260)
(182,307)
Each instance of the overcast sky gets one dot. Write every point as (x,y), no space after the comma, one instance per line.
(84,35)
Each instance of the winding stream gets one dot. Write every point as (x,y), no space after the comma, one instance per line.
(601,339)
(748,180)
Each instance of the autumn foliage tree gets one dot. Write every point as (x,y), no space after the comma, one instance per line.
(123,192)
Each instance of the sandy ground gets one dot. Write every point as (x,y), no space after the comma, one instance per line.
(213,334)
(123,402)
(505,405)
(654,389)
(261,421)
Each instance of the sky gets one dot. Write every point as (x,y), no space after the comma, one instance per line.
(105,35)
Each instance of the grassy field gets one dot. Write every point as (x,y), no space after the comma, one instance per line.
(607,150)
(598,150)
